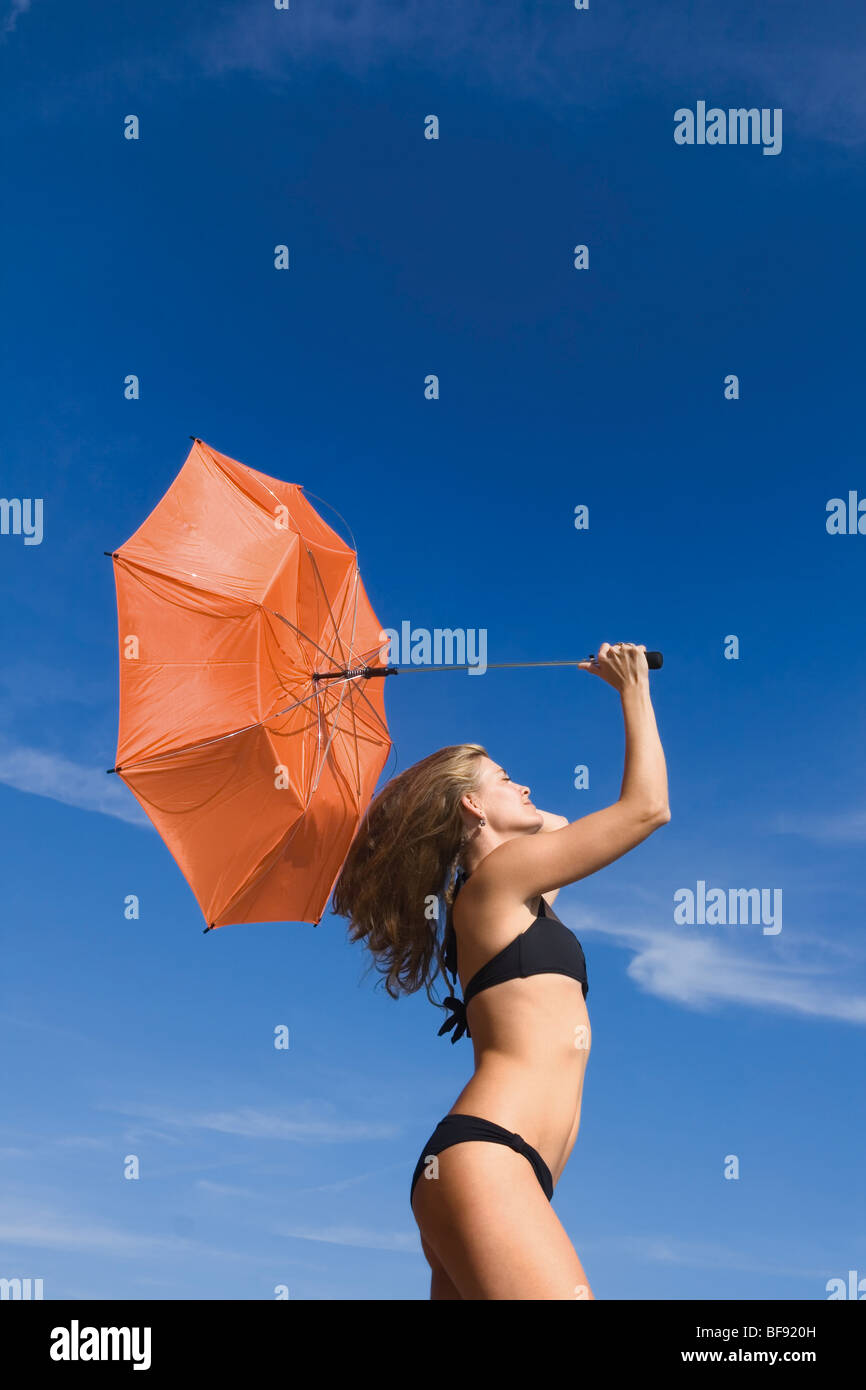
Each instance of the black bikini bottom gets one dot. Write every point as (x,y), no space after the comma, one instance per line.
(456,1129)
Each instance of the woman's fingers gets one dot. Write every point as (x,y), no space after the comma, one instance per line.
(616,662)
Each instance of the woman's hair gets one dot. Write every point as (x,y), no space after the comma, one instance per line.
(398,874)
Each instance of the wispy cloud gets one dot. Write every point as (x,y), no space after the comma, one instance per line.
(12,10)
(699,968)
(75,784)
(562,58)
(305,1123)
(557,58)
(222,1189)
(845,828)
(354,1180)
(671,1250)
(82,1141)
(31,1223)
(52,1233)
(404,1242)
(36,1225)
(26,683)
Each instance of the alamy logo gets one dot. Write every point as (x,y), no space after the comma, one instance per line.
(736,907)
(21,1288)
(737,126)
(836,1288)
(22,516)
(444,646)
(847,520)
(75,1343)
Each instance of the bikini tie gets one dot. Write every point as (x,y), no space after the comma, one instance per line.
(457,1020)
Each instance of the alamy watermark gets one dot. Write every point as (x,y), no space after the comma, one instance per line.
(21,1288)
(736,126)
(441,646)
(720,907)
(22,516)
(77,1343)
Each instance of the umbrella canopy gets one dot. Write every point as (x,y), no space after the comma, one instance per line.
(234,597)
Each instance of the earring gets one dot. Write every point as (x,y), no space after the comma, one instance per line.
(483,821)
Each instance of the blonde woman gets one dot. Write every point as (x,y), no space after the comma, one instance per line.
(482,1188)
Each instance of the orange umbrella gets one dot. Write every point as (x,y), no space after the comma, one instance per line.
(250,729)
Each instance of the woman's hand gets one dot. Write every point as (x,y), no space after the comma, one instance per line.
(621,665)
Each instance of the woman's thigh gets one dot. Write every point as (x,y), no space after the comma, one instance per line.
(493,1230)
(441,1287)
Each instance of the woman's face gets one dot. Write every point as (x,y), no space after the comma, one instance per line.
(506,803)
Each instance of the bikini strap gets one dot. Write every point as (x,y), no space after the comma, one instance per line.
(456,1024)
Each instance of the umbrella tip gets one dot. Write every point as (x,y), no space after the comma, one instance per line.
(207,929)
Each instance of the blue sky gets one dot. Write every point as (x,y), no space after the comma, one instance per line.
(557,388)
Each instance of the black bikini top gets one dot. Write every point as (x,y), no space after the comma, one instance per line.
(547,947)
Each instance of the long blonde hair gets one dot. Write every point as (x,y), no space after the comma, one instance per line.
(397,880)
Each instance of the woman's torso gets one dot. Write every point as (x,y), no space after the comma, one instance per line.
(531,1036)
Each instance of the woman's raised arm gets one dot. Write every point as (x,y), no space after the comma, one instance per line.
(529,864)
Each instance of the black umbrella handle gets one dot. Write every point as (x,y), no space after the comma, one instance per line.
(654,660)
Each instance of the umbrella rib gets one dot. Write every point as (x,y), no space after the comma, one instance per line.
(330,657)
(354,746)
(351,702)
(334,726)
(204,743)
(296,629)
(254,603)
(335,722)
(365,697)
(206,589)
(348,682)
(258,873)
(328,606)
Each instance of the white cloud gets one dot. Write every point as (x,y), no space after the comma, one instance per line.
(670,1250)
(51,1230)
(309,1125)
(404,1242)
(16,8)
(703,966)
(353,1181)
(563,59)
(222,1189)
(30,1223)
(82,1141)
(845,828)
(560,59)
(74,784)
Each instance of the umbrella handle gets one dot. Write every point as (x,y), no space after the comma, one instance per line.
(654,660)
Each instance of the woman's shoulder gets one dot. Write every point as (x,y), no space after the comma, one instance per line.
(486,886)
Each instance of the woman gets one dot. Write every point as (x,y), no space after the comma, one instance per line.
(482,1188)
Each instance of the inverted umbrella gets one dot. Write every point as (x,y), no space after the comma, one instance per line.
(250,729)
